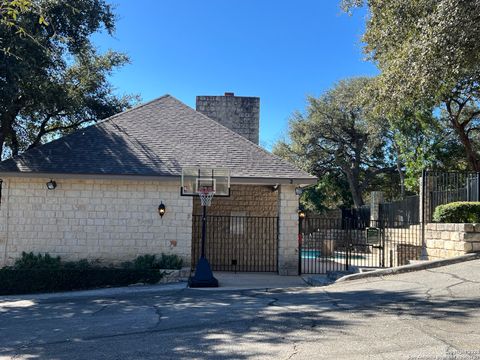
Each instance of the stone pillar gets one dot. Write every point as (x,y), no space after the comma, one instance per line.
(376,198)
(287,230)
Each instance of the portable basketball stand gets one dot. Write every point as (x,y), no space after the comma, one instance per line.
(204,183)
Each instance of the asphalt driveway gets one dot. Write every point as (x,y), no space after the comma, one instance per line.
(431,314)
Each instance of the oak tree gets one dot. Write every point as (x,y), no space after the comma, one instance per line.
(52,79)
(428,52)
(338,135)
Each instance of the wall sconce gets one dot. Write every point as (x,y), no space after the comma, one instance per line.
(161,209)
(51,185)
(301,213)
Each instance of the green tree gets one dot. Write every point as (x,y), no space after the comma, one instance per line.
(428,52)
(337,135)
(52,80)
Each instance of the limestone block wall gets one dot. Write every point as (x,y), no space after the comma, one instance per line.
(411,234)
(448,240)
(250,200)
(109,220)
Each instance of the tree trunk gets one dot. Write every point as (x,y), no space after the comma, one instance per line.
(472,156)
(7,120)
(6,125)
(402,178)
(354,185)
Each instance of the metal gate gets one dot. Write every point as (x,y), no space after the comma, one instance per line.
(238,243)
(329,245)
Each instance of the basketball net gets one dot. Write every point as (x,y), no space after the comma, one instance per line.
(206,195)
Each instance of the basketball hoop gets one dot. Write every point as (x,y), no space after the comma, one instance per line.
(204,183)
(206,195)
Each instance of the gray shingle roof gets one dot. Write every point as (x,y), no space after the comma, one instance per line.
(157,138)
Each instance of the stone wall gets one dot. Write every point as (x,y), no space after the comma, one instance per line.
(411,234)
(244,200)
(238,113)
(109,220)
(448,240)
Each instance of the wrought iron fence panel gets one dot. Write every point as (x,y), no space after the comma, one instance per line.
(237,243)
(401,212)
(330,245)
(446,187)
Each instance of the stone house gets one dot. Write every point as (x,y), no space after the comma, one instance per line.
(111,177)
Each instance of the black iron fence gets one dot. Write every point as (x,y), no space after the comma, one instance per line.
(329,245)
(237,243)
(446,187)
(403,212)
(356,217)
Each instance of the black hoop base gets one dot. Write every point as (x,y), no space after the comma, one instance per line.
(203,275)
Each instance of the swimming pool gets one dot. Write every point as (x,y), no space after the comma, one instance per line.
(314,254)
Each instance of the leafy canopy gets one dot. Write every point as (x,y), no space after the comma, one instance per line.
(428,52)
(338,136)
(52,79)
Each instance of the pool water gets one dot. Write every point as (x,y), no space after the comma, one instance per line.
(314,254)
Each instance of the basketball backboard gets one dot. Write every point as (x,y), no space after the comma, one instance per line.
(200,179)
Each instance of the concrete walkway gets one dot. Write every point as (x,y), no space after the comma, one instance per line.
(253,281)
(228,281)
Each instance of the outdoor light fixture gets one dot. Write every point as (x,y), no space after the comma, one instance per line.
(161,209)
(301,213)
(51,185)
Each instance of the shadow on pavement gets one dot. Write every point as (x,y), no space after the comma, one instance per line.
(191,324)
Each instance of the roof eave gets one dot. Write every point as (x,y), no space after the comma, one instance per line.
(161,178)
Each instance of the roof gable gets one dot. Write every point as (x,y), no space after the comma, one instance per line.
(157,138)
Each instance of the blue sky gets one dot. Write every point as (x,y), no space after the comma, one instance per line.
(278,50)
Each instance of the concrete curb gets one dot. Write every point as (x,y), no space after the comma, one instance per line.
(412,267)
(105,292)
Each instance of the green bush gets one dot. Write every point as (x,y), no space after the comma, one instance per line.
(458,212)
(83,264)
(44,273)
(23,281)
(39,261)
(145,262)
(151,262)
(170,262)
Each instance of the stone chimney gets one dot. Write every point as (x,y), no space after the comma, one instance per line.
(238,113)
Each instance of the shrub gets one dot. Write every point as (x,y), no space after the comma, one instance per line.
(145,262)
(22,281)
(44,273)
(151,262)
(170,262)
(83,264)
(39,261)
(458,212)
